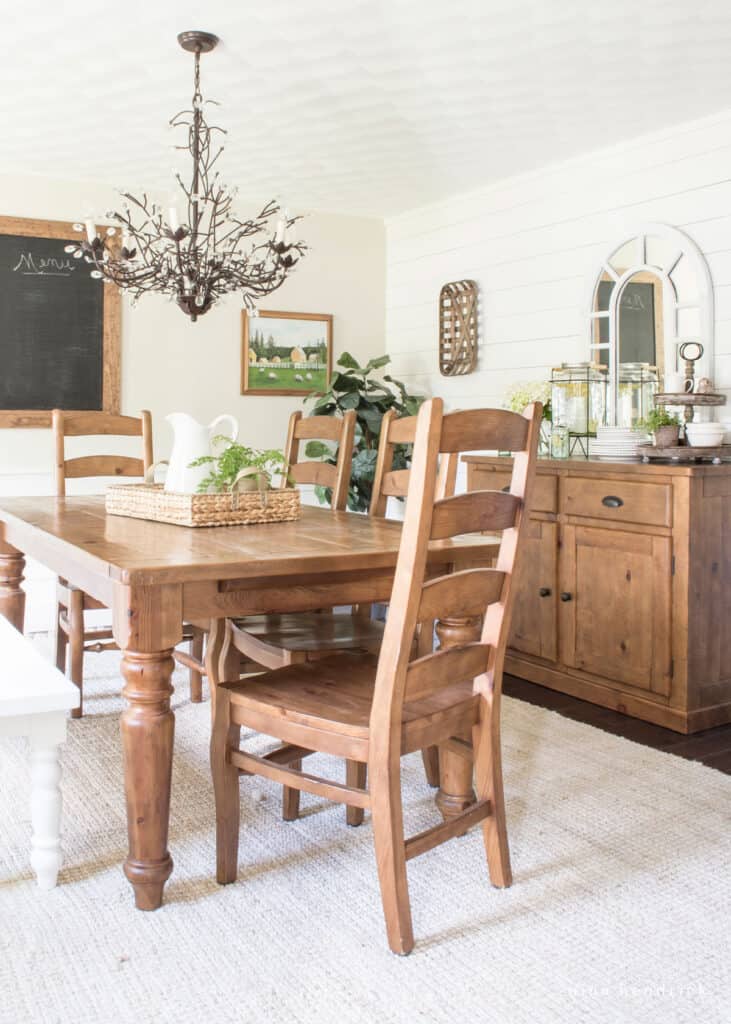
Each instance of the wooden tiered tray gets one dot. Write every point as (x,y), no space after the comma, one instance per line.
(685,453)
(689,398)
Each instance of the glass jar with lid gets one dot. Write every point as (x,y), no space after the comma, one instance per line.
(579,401)
(636,385)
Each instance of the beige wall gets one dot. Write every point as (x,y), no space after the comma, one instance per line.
(169,364)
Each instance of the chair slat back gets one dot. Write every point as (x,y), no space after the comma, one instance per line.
(475,510)
(396,483)
(386,482)
(97,424)
(426,675)
(465,594)
(469,429)
(336,429)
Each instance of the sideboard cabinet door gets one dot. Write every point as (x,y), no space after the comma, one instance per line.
(615,606)
(534,626)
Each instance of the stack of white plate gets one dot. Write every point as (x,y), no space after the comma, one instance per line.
(613,443)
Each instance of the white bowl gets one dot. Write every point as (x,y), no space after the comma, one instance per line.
(704,435)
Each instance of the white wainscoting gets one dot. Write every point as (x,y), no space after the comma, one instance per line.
(532,242)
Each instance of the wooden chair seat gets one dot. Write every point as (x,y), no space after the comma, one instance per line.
(329,703)
(311,633)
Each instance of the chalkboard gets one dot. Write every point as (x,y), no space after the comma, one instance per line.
(56,338)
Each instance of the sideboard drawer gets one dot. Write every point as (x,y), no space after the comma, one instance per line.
(545,487)
(623,501)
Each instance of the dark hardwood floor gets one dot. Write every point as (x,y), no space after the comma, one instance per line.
(712,747)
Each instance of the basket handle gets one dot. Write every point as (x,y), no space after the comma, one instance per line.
(150,474)
(262,485)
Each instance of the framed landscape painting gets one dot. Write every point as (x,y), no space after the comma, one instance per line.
(285,353)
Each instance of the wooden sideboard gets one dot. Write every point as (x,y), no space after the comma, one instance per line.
(624,586)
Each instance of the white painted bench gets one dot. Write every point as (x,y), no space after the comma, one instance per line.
(35,699)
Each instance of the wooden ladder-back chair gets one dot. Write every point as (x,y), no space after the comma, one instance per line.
(258,641)
(275,641)
(375,710)
(72,638)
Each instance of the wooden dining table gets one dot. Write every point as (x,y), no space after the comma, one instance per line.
(154,577)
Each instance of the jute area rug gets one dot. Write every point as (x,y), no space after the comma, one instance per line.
(619,911)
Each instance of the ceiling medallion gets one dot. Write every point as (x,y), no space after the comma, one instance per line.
(199,249)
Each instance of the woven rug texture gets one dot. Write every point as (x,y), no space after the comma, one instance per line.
(620,909)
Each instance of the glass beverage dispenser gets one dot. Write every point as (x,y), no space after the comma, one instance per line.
(579,401)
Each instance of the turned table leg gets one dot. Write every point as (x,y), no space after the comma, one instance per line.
(148,727)
(12,595)
(147,625)
(45,811)
(455,772)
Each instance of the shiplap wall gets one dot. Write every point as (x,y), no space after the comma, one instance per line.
(533,242)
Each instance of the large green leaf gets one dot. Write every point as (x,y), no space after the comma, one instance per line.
(364,465)
(323,494)
(324,406)
(372,417)
(345,382)
(412,404)
(377,363)
(318,450)
(349,363)
(350,400)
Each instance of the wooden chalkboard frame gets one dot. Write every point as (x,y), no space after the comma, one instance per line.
(111,356)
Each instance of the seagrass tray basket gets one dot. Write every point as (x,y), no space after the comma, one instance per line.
(152,501)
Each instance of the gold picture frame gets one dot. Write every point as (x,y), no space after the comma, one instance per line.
(285,353)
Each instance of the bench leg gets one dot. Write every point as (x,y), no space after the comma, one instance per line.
(45,808)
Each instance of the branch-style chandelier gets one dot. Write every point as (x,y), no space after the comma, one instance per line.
(209,251)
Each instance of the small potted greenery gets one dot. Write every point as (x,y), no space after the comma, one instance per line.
(664,427)
(246,469)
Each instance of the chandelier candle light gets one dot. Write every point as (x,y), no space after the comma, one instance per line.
(213,252)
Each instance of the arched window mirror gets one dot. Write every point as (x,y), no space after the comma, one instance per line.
(652,292)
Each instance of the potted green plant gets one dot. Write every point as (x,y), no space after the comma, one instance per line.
(356,387)
(237,465)
(664,427)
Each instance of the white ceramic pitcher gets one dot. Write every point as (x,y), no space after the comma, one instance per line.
(192,440)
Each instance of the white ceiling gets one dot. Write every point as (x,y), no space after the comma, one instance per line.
(363,107)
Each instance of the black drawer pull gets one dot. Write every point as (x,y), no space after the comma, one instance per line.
(545,591)
(565,596)
(505,489)
(612,501)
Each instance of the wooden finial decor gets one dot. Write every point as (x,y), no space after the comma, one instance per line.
(458,328)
